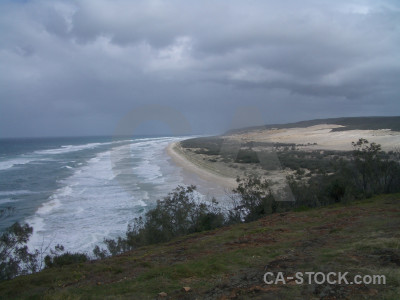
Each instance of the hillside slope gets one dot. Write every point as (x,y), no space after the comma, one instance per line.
(229,263)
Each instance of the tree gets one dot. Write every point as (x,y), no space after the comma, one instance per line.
(180,213)
(375,171)
(254,200)
(366,160)
(15,259)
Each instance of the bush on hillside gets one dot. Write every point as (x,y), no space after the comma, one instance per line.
(180,213)
(65,259)
(252,200)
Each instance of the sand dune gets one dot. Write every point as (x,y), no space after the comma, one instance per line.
(323,136)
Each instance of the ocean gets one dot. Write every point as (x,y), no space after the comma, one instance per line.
(78,191)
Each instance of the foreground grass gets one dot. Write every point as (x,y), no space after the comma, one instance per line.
(361,238)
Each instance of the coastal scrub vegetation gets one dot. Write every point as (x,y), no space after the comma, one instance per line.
(180,213)
(369,171)
(59,258)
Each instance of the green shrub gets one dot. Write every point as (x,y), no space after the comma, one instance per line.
(252,200)
(65,259)
(180,213)
(247,156)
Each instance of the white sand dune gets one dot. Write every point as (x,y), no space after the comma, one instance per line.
(323,136)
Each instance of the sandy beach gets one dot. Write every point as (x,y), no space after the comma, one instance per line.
(192,170)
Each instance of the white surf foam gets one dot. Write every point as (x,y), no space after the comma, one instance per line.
(151,154)
(18,192)
(7,164)
(73,148)
(6,200)
(93,205)
(38,155)
(69,148)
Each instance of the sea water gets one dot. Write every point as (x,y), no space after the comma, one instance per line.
(78,191)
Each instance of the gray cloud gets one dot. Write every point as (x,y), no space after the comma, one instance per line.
(75,67)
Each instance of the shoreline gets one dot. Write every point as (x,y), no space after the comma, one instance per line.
(190,167)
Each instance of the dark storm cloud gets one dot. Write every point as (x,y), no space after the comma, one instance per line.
(75,67)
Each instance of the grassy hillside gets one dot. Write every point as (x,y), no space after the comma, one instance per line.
(227,263)
(361,123)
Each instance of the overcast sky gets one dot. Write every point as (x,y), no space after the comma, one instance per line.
(77,67)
